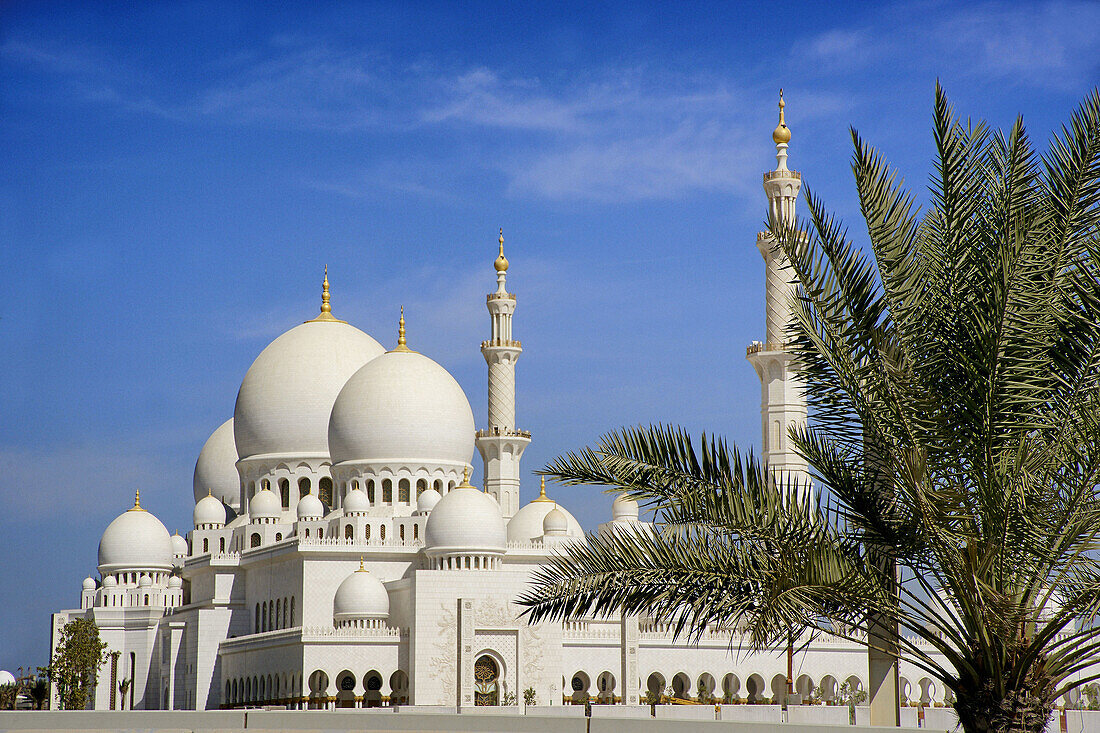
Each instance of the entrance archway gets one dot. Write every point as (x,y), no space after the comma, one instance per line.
(486,681)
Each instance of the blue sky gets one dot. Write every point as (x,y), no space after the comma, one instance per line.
(176,175)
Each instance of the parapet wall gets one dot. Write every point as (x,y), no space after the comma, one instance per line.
(559,719)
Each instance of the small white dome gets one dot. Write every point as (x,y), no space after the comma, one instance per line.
(216,469)
(310,507)
(89,584)
(360,596)
(145,581)
(555,523)
(427,500)
(6,677)
(209,510)
(526,524)
(402,406)
(286,396)
(179,545)
(356,502)
(175,582)
(624,509)
(135,540)
(466,519)
(265,505)
(109,582)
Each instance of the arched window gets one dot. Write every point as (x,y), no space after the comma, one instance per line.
(349,532)
(251,489)
(387,491)
(221,544)
(286,611)
(255,541)
(292,610)
(146,599)
(421,486)
(278,536)
(278,613)
(303,486)
(370,491)
(382,532)
(403,491)
(307,532)
(284,492)
(439,485)
(320,533)
(324,488)
(257,619)
(205,544)
(263,616)
(416,531)
(401,531)
(367,531)
(486,686)
(450,485)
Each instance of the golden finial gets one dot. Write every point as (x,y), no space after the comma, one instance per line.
(502,262)
(542,490)
(782,133)
(326,306)
(465,478)
(362,568)
(137,502)
(401,345)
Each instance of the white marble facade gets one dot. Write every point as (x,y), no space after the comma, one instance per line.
(339,556)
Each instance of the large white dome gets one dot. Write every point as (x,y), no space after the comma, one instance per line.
(466,519)
(403,407)
(286,397)
(135,540)
(360,596)
(216,469)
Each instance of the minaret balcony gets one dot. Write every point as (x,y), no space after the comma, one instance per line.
(500,296)
(503,433)
(508,343)
(782,174)
(756,347)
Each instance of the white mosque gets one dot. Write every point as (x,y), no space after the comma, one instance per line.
(340,557)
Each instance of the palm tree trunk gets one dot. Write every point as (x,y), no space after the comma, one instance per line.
(882,671)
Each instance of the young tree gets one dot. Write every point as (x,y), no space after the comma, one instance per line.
(76,662)
(953,383)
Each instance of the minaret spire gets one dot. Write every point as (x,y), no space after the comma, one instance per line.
(501,445)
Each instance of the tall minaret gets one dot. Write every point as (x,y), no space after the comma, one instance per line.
(501,445)
(782,403)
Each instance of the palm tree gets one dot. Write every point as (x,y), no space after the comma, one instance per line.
(953,382)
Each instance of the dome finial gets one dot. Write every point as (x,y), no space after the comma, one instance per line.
(401,344)
(782,134)
(501,263)
(326,306)
(137,502)
(542,490)
(465,478)
(362,568)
